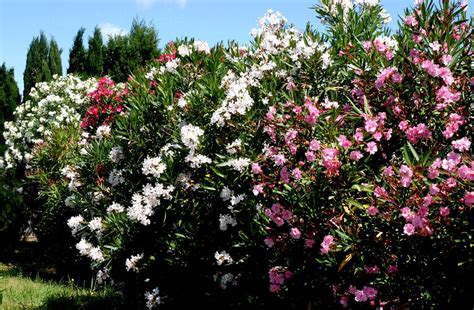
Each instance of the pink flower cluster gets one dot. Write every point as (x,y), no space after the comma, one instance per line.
(453,124)
(278,214)
(416,133)
(331,162)
(278,276)
(327,243)
(386,75)
(366,293)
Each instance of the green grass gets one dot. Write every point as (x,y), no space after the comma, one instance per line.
(20,292)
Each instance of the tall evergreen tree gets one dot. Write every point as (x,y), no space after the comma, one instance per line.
(37,66)
(9,96)
(96,54)
(54,58)
(77,55)
(117,58)
(143,44)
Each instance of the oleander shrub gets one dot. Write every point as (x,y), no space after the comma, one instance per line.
(304,170)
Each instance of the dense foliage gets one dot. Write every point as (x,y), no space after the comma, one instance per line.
(304,170)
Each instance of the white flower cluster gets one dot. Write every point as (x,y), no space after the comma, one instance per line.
(75,223)
(70,172)
(96,225)
(199,46)
(143,203)
(222,258)
(226,220)
(274,39)
(116,154)
(190,136)
(238,164)
(102,132)
(115,207)
(133,262)
(153,166)
(52,105)
(115,177)
(87,249)
(153,298)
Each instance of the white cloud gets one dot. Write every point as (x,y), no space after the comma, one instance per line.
(111,30)
(145,4)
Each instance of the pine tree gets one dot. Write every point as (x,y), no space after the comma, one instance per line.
(96,54)
(37,66)
(54,58)
(143,44)
(78,55)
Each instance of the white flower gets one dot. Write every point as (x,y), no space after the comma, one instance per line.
(152,298)
(202,46)
(116,154)
(115,177)
(96,225)
(84,247)
(226,279)
(153,166)
(115,207)
(132,262)
(234,200)
(234,147)
(225,220)
(183,50)
(223,257)
(226,193)
(150,75)
(75,223)
(238,164)
(102,132)
(95,254)
(197,161)
(190,136)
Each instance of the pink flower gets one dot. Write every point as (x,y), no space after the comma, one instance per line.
(462,144)
(445,97)
(360,296)
(296,173)
(286,215)
(392,269)
(269,242)
(411,21)
(367,45)
(370,125)
(314,145)
(407,214)
(344,142)
(408,229)
(256,168)
(372,211)
(285,175)
(310,156)
(371,148)
(370,292)
(326,244)
(446,59)
(279,159)
(309,243)
(295,233)
(403,125)
(466,173)
(388,171)
(359,135)
(406,174)
(257,189)
(356,155)
(271,113)
(444,211)
(435,46)
(469,199)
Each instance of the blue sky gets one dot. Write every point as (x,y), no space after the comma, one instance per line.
(210,20)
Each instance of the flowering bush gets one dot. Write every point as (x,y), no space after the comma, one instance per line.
(306,169)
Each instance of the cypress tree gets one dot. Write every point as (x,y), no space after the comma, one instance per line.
(77,55)
(96,54)
(143,44)
(54,58)
(117,58)
(9,96)
(37,66)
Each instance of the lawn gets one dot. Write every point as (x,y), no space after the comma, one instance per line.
(20,292)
